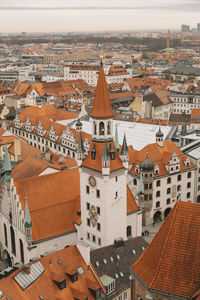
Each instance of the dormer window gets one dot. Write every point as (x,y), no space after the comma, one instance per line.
(156,170)
(73,277)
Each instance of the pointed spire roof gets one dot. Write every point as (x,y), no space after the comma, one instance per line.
(105,155)
(7,164)
(124,150)
(80,145)
(116,138)
(28,222)
(102,108)
(141,184)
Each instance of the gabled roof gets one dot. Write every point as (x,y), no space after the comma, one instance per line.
(102,108)
(171,263)
(54,267)
(58,212)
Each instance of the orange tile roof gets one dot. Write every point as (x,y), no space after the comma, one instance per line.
(131,204)
(27,150)
(160,156)
(44,207)
(171,263)
(96,164)
(195,115)
(116,70)
(102,108)
(46,287)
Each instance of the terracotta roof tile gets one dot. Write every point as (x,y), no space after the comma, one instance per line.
(171,263)
(102,108)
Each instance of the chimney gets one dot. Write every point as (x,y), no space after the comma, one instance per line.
(27,269)
(17,149)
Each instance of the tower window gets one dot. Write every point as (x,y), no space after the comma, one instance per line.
(87,189)
(88,206)
(158,194)
(158,183)
(98,210)
(88,222)
(101,128)
(98,193)
(108,128)
(158,204)
(116,194)
(94,238)
(98,226)
(168,180)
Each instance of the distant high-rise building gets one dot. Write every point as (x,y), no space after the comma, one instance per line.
(198,27)
(185,28)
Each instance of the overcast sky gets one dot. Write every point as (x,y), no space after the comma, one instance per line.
(96,15)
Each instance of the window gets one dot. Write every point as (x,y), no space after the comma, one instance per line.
(179,177)
(99,241)
(98,226)
(116,195)
(88,236)
(189,175)
(128,231)
(145,197)
(98,210)
(97,263)
(111,259)
(158,183)
(98,193)
(87,189)
(146,186)
(150,186)
(168,201)
(134,181)
(105,261)
(125,295)
(94,238)
(158,194)
(168,190)
(178,188)
(80,270)
(118,257)
(116,178)
(88,222)
(188,195)
(158,204)
(168,180)
(88,205)
(150,196)
(101,128)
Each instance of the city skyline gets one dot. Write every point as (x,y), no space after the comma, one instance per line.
(48,16)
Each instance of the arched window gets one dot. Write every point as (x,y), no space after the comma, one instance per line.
(189,175)
(135,181)
(188,195)
(178,188)
(21,250)
(128,231)
(5,235)
(12,235)
(95,127)
(101,128)
(108,127)
(158,204)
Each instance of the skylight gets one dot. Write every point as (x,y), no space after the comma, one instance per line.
(118,257)
(105,261)
(143,248)
(121,274)
(97,263)
(133,251)
(116,275)
(111,259)
(80,270)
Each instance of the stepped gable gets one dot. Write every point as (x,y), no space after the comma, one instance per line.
(171,263)
(102,108)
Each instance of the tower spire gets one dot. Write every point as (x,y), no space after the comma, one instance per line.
(102,108)
(7,165)
(80,151)
(124,150)
(28,222)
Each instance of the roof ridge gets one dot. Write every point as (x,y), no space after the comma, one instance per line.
(166,240)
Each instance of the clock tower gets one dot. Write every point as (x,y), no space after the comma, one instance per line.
(103,187)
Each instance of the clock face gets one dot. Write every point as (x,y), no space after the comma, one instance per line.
(93,216)
(92,181)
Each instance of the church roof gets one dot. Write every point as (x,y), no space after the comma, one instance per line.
(171,263)
(102,108)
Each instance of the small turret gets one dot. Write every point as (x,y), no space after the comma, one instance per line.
(124,153)
(141,192)
(105,160)
(116,138)
(28,224)
(80,151)
(79,125)
(159,137)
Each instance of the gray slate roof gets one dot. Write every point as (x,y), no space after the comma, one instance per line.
(122,263)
